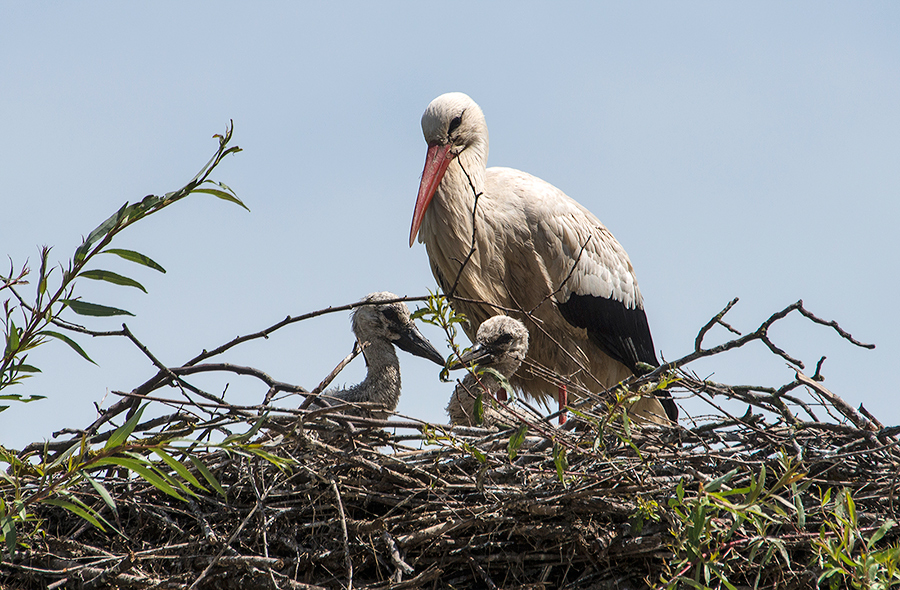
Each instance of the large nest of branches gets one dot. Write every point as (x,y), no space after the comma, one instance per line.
(795,492)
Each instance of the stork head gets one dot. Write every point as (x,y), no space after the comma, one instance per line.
(452,123)
(391,322)
(501,343)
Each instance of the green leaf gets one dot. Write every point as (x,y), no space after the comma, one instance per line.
(207,475)
(12,341)
(111,277)
(93,309)
(561,461)
(516,440)
(851,507)
(19,398)
(882,530)
(253,430)
(179,468)
(76,510)
(478,455)
(478,409)
(101,231)
(798,504)
(137,257)
(124,431)
(68,341)
(104,493)
(717,483)
(225,196)
(142,470)
(8,530)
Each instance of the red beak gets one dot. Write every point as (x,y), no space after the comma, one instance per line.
(436,163)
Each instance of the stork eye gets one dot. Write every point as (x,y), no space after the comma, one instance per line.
(454,124)
(503,339)
(391,314)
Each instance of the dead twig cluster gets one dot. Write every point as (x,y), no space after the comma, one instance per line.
(352,502)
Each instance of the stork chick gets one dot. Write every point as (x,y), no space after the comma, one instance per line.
(501,344)
(378,328)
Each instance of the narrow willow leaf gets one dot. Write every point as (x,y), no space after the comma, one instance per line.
(104,493)
(207,475)
(561,461)
(222,195)
(12,341)
(172,481)
(19,398)
(101,231)
(8,530)
(124,431)
(28,369)
(137,257)
(75,510)
(717,483)
(142,470)
(275,460)
(111,277)
(851,507)
(479,455)
(179,468)
(798,504)
(93,309)
(516,440)
(63,457)
(253,430)
(479,409)
(70,342)
(881,532)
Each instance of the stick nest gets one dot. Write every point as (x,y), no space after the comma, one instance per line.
(317,499)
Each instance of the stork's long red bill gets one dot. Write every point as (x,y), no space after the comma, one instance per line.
(436,163)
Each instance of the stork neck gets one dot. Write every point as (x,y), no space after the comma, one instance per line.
(383,375)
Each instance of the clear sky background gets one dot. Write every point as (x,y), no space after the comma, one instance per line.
(749,151)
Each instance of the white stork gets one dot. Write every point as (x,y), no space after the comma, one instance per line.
(378,327)
(501,344)
(536,249)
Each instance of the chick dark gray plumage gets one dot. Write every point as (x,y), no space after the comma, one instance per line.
(501,344)
(378,328)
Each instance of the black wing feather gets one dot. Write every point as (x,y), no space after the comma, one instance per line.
(621,332)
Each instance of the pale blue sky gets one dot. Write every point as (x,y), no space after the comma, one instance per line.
(749,151)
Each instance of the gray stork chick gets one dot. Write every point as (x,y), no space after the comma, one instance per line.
(378,328)
(501,344)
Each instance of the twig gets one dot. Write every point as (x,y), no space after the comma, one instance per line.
(717,319)
(565,280)
(310,399)
(348,560)
(450,294)
(402,566)
(233,536)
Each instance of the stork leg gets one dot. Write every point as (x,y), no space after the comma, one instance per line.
(563,400)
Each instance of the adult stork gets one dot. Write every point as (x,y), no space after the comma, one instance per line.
(535,249)
(379,326)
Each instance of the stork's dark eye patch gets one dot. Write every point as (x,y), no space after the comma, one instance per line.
(392,315)
(503,339)
(454,124)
